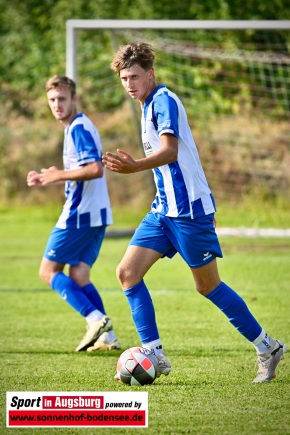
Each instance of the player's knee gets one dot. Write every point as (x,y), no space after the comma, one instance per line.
(76,275)
(206,287)
(44,275)
(120,273)
(202,289)
(124,276)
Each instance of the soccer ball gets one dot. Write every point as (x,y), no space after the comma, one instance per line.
(137,366)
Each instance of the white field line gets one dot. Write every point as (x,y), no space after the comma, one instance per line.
(254,232)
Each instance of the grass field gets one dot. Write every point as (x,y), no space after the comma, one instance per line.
(209,390)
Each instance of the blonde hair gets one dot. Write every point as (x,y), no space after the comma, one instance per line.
(134,53)
(59,82)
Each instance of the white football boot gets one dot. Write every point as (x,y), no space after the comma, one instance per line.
(267,362)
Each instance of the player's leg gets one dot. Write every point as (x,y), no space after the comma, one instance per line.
(72,294)
(134,265)
(148,245)
(81,274)
(197,242)
(226,299)
(269,350)
(65,246)
(208,283)
(107,340)
(51,272)
(130,272)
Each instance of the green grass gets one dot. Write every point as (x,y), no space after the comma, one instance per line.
(209,390)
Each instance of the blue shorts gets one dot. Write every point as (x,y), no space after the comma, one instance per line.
(194,239)
(70,246)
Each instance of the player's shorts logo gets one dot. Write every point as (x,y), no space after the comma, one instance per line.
(206,256)
(51,253)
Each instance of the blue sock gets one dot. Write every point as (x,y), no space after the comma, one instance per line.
(236,310)
(72,293)
(94,296)
(143,312)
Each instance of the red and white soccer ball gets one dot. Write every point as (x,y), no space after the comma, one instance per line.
(137,366)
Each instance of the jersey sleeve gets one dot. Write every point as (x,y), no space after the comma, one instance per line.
(165,114)
(86,147)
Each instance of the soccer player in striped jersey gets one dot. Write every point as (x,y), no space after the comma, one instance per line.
(181,217)
(78,234)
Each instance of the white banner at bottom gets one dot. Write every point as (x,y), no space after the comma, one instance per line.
(77,409)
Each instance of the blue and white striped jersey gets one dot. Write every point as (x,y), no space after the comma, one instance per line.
(182,188)
(87,202)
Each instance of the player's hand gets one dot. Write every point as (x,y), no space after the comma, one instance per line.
(122,162)
(49,176)
(33,178)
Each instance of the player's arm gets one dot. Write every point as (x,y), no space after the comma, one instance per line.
(36,178)
(124,163)
(53,175)
(83,173)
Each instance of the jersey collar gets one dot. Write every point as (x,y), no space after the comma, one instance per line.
(151,96)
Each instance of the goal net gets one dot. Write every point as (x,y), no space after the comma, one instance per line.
(234,83)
